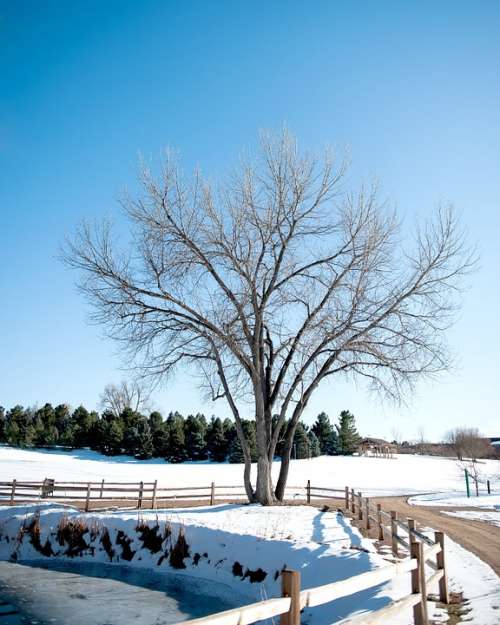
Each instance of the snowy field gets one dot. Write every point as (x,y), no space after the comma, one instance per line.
(404,474)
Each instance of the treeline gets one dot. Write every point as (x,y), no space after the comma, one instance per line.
(175,438)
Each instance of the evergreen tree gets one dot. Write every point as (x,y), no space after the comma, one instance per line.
(2,424)
(326,434)
(301,444)
(235,449)
(314,445)
(85,428)
(176,442)
(144,440)
(195,433)
(348,437)
(217,443)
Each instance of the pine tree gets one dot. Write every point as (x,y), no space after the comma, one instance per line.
(314,445)
(176,442)
(326,434)
(2,424)
(348,437)
(301,445)
(195,432)
(144,439)
(217,444)
(235,455)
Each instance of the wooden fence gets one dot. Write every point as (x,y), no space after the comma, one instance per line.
(422,551)
(141,494)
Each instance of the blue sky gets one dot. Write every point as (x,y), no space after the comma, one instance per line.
(412,88)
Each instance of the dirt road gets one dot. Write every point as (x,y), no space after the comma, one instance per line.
(483,539)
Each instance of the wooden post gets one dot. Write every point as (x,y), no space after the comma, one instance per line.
(379,522)
(87,500)
(153,499)
(308,491)
(102,489)
(353,502)
(367,513)
(420,616)
(347,498)
(212,493)
(360,506)
(411,527)
(394,533)
(13,492)
(290,587)
(441,565)
(141,491)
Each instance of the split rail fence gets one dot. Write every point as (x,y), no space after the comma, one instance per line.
(421,551)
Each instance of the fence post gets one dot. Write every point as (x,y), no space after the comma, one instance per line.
(308,491)
(360,507)
(394,533)
(153,498)
(379,522)
(441,565)
(367,512)
(102,488)
(13,492)
(488,486)
(353,502)
(87,499)
(290,587)
(212,493)
(347,498)
(141,491)
(420,616)
(411,527)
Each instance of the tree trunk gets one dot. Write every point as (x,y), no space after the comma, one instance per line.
(285,465)
(264,490)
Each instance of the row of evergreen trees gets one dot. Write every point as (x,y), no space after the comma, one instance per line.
(175,438)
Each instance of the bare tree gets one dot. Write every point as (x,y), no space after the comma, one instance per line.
(128,394)
(469,445)
(270,283)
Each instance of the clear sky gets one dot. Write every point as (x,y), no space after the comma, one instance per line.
(412,87)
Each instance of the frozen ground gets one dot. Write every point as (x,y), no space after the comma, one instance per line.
(404,474)
(493,518)
(456,499)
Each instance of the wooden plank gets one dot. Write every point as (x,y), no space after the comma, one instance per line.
(290,587)
(441,564)
(329,592)
(383,615)
(418,585)
(246,614)
(394,533)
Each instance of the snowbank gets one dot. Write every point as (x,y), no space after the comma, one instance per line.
(404,474)
(456,499)
(493,518)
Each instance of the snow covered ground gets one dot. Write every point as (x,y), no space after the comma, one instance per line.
(456,499)
(404,474)
(493,518)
